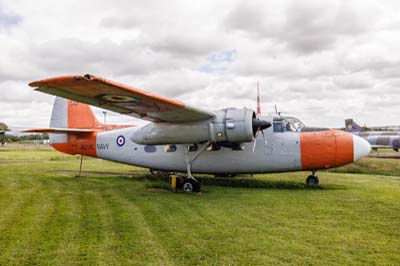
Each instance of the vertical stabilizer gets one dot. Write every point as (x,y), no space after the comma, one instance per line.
(81,116)
(71,114)
(59,116)
(352,126)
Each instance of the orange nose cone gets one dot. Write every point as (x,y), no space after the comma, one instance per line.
(325,149)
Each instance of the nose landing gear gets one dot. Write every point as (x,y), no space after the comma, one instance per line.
(312,180)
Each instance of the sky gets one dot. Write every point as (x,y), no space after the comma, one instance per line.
(321,61)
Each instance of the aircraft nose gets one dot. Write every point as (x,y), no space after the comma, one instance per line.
(361,147)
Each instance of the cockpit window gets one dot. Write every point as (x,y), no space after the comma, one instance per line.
(287,124)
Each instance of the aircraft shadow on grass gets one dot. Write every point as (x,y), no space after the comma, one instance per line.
(241,183)
(236,182)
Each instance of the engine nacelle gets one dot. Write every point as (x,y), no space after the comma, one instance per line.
(228,125)
(232,125)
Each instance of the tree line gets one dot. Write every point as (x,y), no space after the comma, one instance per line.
(7,138)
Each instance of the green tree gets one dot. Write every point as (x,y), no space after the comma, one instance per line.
(3,129)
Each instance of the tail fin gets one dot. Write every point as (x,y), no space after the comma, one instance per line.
(352,126)
(71,114)
(73,128)
(72,118)
(69,117)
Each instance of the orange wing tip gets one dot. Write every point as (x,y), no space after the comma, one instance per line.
(55,80)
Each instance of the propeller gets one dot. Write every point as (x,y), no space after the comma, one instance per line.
(259,125)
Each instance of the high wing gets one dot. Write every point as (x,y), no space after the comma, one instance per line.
(120,98)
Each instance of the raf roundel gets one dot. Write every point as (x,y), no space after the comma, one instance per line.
(120,141)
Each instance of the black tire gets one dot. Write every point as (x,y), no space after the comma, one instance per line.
(191,185)
(312,181)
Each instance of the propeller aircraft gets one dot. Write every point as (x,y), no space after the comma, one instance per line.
(377,139)
(182,138)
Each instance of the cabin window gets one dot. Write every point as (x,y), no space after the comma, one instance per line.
(150,148)
(278,125)
(170,148)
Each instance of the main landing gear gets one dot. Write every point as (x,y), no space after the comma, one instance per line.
(190,183)
(312,180)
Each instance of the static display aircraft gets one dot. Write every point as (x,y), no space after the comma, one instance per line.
(182,138)
(377,139)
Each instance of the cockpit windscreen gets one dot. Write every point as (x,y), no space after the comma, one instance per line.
(287,124)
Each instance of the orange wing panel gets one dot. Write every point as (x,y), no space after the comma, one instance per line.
(120,98)
(110,92)
(81,85)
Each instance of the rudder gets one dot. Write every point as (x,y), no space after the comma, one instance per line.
(71,114)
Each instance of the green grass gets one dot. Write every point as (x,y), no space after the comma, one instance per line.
(50,217)
(371,166)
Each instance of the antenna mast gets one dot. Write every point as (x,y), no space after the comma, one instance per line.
(258,101)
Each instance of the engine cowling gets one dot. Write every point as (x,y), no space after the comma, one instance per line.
(228,125)
(232,125)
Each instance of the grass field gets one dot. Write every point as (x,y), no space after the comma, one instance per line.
(50,217)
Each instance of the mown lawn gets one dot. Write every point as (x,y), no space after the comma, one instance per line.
(50,217)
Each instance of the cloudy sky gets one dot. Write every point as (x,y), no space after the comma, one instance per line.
(322,61)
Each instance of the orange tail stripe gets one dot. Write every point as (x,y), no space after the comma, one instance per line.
(79,144)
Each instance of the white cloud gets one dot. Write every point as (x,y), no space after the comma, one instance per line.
(322,61)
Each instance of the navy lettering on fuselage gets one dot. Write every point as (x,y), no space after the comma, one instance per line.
(102,146)
(87,147)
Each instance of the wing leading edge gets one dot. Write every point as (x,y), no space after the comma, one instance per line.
(120,98)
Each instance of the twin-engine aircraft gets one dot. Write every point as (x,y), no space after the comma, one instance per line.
(181,138)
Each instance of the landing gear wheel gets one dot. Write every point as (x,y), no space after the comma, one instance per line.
(312,181)
(191,185)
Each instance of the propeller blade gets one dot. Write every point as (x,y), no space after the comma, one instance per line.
(265,140)
(255,140)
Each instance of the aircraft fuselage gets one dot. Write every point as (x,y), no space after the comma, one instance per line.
(281,151)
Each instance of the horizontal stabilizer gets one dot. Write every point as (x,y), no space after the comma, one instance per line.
(58,130)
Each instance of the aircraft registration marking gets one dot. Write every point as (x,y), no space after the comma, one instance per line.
(87,147)
(102,146)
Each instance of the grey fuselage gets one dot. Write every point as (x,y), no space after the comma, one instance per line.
(281,152)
